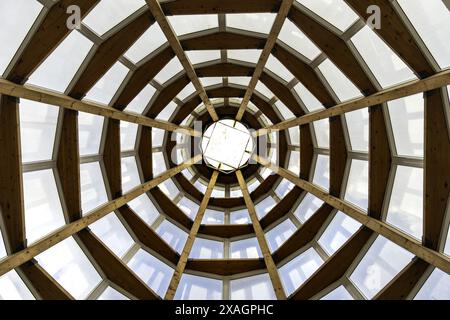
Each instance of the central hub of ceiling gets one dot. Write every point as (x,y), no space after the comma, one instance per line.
(227,146)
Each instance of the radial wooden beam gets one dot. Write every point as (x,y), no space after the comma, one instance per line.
(170,294)
(436,81)
(46,38)
(437,169)
(11,197)
(42,284)
(271,41)
(61,100)
(155,8)
(70,229)
(400,238)
(403,283)
(113,268)
(270,264)
(333,269)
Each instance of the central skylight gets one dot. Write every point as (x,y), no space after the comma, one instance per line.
(227,146)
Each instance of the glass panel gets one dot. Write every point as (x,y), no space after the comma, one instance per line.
(387,66)
(68,265)
(322,130)
(243,81)
(262,89)
(299,269)
(198,288)
(307,207)
(340,293)
(112,232)
(407,118)
(90,133)
(264,207)
(193,23)
(322,171)
(173,235)
(151,40)
(206,249)
(284,188)
(128,134)
(382,262)
(406,205)
(245,249)
(190,208)
(167,112)
(130,174)
(43,212)
(58,70)
(341,85)
(294,162)
(437,287)
(213,217)
(13,288)
(280,234)
(432,21)
(284,111)
(159,164)
(201,56)
(357,191)
(274,65)
(153,272)
(112,294)
(141,100)
(93,192)
(145,209)
(170,189)
(297,40)
(157,137)
(37,130)
(16,19)
(240,217)
(211,81)
(105,89)
(256,22)
(251,55)
(186,92)
(252,288)
(340,229)
(109,13)
(309,100)
(337,12)
(294,135)
(358,129)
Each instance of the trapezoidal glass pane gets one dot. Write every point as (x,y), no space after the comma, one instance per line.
(68,265)
(109,13)
(152,271)
(252,288)
(432,21)
(198,288)
(13,288)
(256,22)
(340,293)
(58,70)
(437,287)
(336,12)
(38,124)
(299,269)
(16,19)
(382,262)
(357,191)
(93,191)
(43,211)
(406,203)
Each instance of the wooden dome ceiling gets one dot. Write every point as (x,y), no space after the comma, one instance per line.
(338,106)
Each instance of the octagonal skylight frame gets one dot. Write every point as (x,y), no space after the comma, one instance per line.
(217,149)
